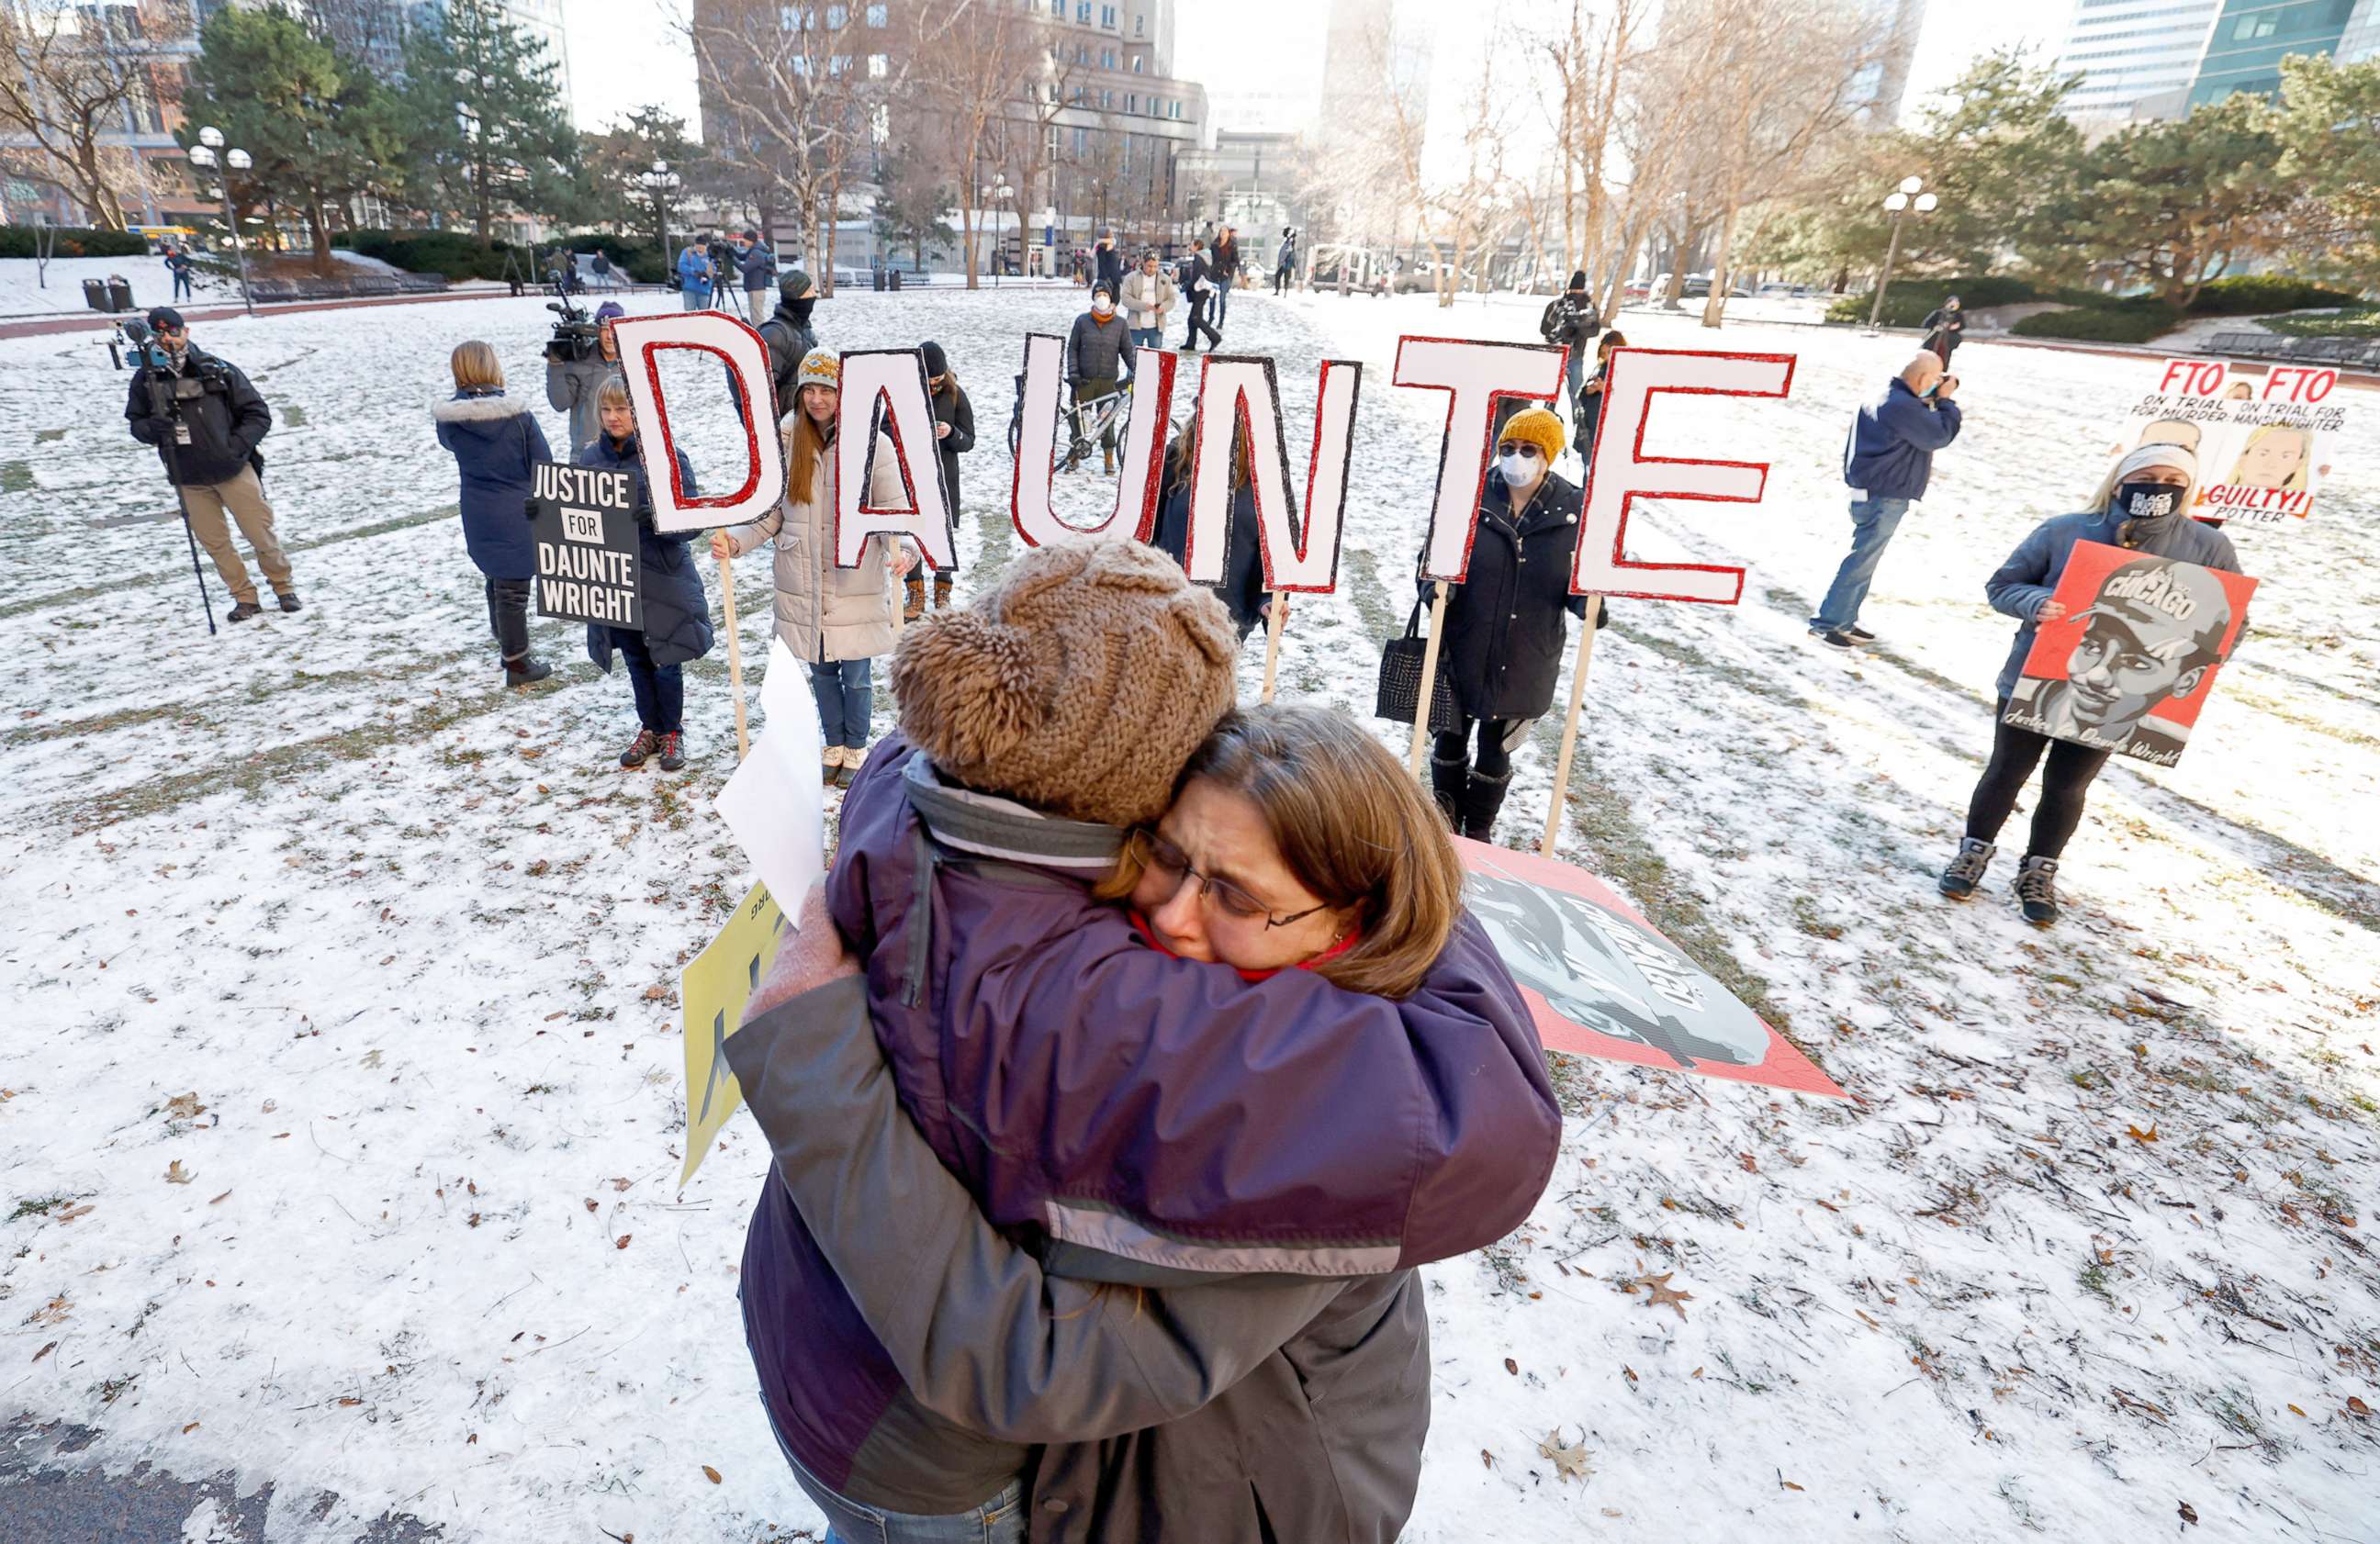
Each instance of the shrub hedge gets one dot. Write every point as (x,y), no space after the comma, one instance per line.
(2248,294)
(2123,322)
(1907,301)
(458,255)
(74,241)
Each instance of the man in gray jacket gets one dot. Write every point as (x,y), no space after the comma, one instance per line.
(1099,356)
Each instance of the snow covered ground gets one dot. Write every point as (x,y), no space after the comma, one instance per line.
(27,290)
(340,1102)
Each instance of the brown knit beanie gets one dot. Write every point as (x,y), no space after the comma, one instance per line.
(1079,684)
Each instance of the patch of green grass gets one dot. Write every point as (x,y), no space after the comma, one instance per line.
(38,1207)
(15,477)
(2092,1278)
(48,436)
(2350,322)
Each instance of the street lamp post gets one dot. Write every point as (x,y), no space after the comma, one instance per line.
(1899,202)
(996,191)
(204,153)
(658,183)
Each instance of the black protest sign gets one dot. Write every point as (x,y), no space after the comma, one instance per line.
(585,522)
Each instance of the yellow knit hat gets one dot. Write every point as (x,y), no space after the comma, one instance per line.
(1539,426)
(819,367)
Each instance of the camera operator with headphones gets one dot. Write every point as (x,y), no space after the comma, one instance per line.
(205,419)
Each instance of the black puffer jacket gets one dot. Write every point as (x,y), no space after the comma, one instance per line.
(1242,591)
(223,412)
(1502,651)
(677,612)
(951,407)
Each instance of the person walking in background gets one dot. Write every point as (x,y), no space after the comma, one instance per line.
(1242,591)
(837,619)
(1502,645)
(1223,261)
(1886,462)
(604,276)
(205,420)
(1589,417)
(677,612)
(496,444)
(954,436)
(2140,506)
(694,277)
(178,264)
(1198,285)
(571,382)
(1108,262)
(1099,354)
(1943,325)
(1572,321)
(1147,295)
(758,266)
(1284,267)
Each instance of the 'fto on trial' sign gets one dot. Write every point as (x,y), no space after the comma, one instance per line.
(585,523)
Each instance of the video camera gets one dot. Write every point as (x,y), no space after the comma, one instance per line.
(575,337)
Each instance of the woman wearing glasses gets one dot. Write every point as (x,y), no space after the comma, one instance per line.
(1127,1198)
(1500,648)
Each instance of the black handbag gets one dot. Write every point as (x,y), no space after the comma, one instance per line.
(1399,694)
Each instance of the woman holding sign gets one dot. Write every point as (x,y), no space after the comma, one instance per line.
(677,612)
(1503,632)
(838,619)
(2141,505)
(497,444)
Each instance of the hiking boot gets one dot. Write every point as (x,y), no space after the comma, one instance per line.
(243,611)
(853,758)
(290,601)
(644,745)
(1966,870)
(673,748)
(941,592)
(1482,798)
(2036,890)
(915,585)
(830,762)
(1833,637)
(1446,782)
(1108,455)
(527,670)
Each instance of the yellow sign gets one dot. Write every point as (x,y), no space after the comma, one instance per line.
(714,989)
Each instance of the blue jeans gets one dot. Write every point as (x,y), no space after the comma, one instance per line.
(694,300)
(1873,522)
(846,697)
(1147,337)
(659,689)
(997,1521)
(1222,301)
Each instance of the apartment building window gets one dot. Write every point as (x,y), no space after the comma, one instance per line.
(1058,9)
(1131,103)
(879,122)
(1108,16)
(1177,110)
(878,67)
(1107,58)
(797,19)
(1139,63)
(836,15)
(839,67)
(1083,12)
(880,16)
(1107,99)
(1082,141)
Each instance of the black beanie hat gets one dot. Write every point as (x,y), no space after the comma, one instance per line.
(1578,278)
(793,284)
(937,362)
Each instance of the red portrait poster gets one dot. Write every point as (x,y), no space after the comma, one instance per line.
(2129,664)
(1603,983)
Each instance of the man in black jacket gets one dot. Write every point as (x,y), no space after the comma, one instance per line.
(1571,320)
(788,334)
(205,420)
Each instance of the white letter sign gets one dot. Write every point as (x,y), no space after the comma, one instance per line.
(1239,392)
(896,378)
(1037,447)
(1474,375)
(1623,473)
(640,341)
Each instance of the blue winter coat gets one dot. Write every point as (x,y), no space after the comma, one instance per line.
(2019,586)
(677,612)
(497,442)
(1890,453)
(694,271)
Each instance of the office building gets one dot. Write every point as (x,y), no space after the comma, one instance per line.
(2138,58)
(2250,38)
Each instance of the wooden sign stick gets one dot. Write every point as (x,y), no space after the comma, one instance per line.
(735,657)
(1570,723)
(1428,680)
(1278,608)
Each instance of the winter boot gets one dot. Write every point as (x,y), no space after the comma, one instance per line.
(941,592)
(526,671)
(673,748)
(1446,780)
(830,762)
(1482,797)
(1107,453)
(644,745)
(242,612)
(915,585)
(290,601)
(854,758)
(1966,870)
(2036,890)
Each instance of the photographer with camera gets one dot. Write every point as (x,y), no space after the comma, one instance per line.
(205,420)
(579,357)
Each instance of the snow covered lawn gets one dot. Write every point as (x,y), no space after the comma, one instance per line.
(339,1104)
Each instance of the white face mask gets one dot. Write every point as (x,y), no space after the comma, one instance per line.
(1519,470)
(1101,307)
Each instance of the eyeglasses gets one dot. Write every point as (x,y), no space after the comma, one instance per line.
(1171,865)
(1519,447)
(172,331)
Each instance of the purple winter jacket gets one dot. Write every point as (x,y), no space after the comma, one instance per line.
(1130,1118)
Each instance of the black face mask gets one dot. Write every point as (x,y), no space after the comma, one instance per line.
(801,308)
(2143,506)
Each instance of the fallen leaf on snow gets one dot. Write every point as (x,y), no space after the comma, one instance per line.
(711,1474)
(2189,1514)
(221,1199)
(1512,1367)
(2140,1136)
(2357,1407)
(1569,1458)
(622,1242)
(71,1212)
(176,1175)
(187,1429)
(47,1349)
(373,1057)
(1660,1293)
(184,1106)
(655,993)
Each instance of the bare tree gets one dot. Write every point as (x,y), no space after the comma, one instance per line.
(1588,56)
(978,64)
(75,74)
(777,115)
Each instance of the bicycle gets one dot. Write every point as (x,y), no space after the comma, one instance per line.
(1082,423)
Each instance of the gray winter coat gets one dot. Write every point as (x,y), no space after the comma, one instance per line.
(2019,586)
(571,388)
(825,613)
(1148,299)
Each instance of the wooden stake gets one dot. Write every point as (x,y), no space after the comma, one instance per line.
(735,657)
(1428,680)
(1279,607)
(1569,723)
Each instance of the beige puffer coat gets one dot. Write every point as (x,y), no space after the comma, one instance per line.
(825,613)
